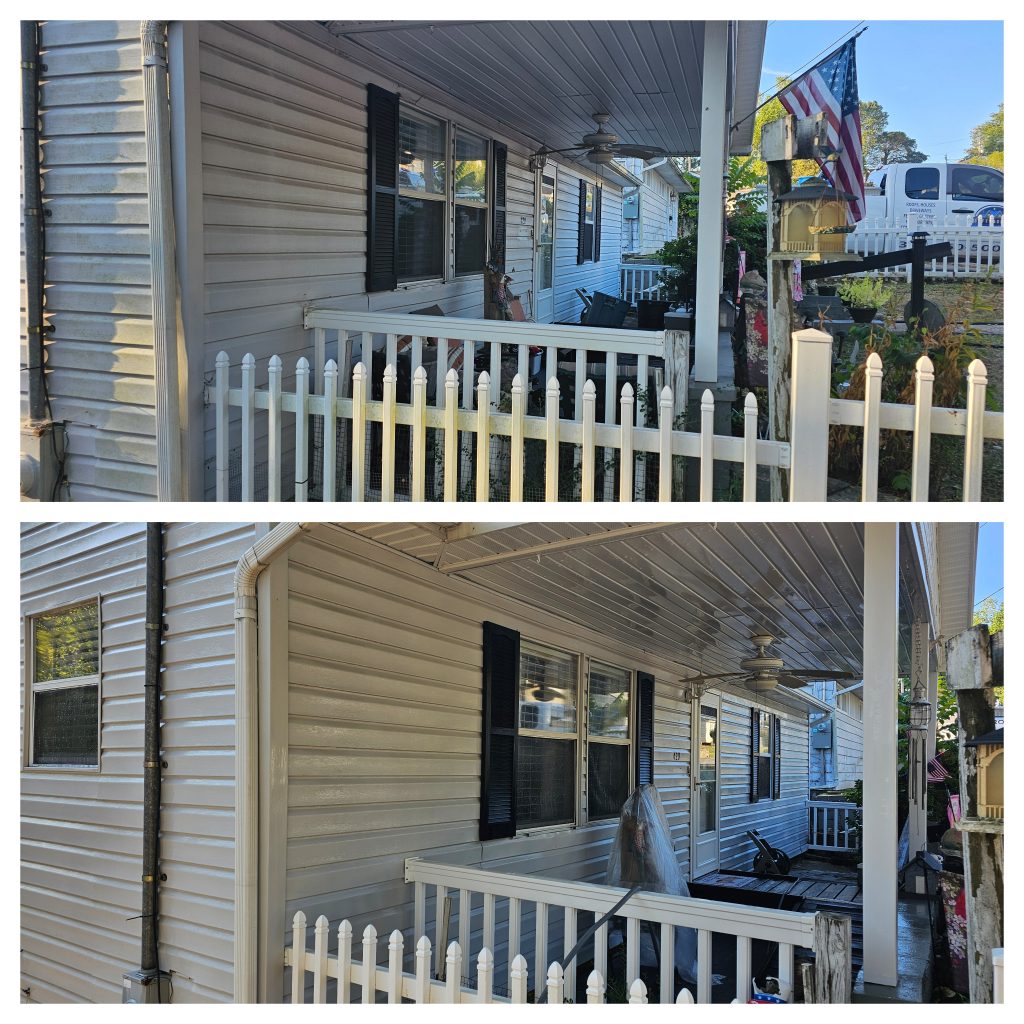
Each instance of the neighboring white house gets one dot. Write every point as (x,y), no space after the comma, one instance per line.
(836,755)
(360,661)
(371,166)
(650,212)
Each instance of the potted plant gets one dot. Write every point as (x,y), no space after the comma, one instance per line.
(826,286)
(863,296)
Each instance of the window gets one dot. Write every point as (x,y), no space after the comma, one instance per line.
(64,692)
(546,755)
(470,203)
(970,182)
(422,188)
(608,717)
(589,243)
(922,183)
(765,756)
(850,704)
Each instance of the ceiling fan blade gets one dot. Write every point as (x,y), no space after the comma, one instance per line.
(717,675)
(568,149)
(644,152)
(821,673)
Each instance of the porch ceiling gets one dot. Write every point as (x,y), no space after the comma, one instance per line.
(542,81)
(691,593)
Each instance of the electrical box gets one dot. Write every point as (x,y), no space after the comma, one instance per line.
(143,987)
(821,736)
(42,456)
(631,206)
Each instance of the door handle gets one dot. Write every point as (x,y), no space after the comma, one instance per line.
(961,211)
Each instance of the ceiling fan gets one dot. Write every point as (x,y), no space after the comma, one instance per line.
(764,671)
(600,146)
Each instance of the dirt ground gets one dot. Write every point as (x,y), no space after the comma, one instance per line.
(989,297)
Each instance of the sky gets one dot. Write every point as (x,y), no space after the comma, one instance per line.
(937,79)
(989,575)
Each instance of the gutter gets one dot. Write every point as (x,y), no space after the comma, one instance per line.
(247,572)
(163,276)
(32,210)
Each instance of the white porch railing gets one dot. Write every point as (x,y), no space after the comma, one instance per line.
(507,903)
(642,280)
(832,826)
(977,251)
(421,985)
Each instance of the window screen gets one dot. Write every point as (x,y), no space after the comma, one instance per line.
(422,183)
(607,779)
(64,726)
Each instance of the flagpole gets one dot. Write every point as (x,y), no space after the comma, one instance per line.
(774,95)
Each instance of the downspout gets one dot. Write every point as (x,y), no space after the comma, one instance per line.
(163,279)
(151,877)
(32,208)
(247,572)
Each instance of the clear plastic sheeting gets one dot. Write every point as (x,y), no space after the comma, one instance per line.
(642,854)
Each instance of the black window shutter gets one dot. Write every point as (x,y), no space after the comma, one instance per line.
(598,193)
(499,202)
(498,757)
(644,743)
(755,743)
(777,758)
(381,189)
(582,222)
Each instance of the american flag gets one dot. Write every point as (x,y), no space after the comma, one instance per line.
(937,771)
(831,88)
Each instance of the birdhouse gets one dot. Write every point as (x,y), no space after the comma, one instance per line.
(813,223)
(990,773)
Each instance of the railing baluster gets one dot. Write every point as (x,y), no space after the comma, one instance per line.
(223,366)
(703,965)
(632,949)
(248,426)
(451,436)
(974,445)
(358,433)
(319,348)
(750,447)
(419,916)
(872,411)
(667,956)
(514,933)
(569,927)
(440,928)
(468,372)
(785,974)
(517,452)
(344,961)
(274,429)
(523,367)
(299,958)
(611,393)
(488,933)
(395,957)
(626,444)
(366,352)
(551,443)
(642,393)
(707,446)
(465,919)
(589,405)
(369,979)
(550,362)
(421,991)
(744,971)
(665,449)
(495,374)
(387,455)
(540,940)
(419,435)
(579,383)
(440,372)
(483,438)
(330,430)
(301,429)
(601,950)
(391,352)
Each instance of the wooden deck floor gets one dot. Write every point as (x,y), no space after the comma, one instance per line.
(841,890)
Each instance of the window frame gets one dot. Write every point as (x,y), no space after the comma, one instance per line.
(451,132)
(590,193)
(771,755)
(616,741)
(31,687)
(916,194)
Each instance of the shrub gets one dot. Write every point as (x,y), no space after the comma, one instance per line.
(865,292)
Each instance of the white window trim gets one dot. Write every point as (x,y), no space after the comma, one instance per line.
(32,687)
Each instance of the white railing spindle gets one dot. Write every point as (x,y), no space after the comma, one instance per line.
(665,447)
(330,430)
(626,444)
(517,453)
(387,460)
(750,447)
(707,445)
(395,951)
(451,436)
(222,409)
(369,975)
(320,959)
(419,434)
(421,991)
(589,408)
(344,961)
(301,429)
(359,386)
(483,438)
(299,958)
(551,448)
(924,378)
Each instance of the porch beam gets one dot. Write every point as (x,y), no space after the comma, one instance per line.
(881,622)
(711,205)
(463,531)
(548,547)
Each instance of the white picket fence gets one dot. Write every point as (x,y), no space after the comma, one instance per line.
(977,251)
(833,826)
(421,985)
(643,280)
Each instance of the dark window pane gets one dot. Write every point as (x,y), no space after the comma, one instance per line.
(421,149)
(545,782)
(547,689)
(64,726)
(470,239)
(67,643)
(764,777)
(608,705)
(607,779)
(976,183)
(922,183)
(420,238)
(588,242)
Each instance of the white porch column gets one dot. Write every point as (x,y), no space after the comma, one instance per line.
(714,135)
(881,620)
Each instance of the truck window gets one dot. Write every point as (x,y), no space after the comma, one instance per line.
(922,183)
(973,182)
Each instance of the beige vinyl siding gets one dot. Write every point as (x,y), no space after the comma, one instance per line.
(848,744)
(99,355)
(284,197)
(384,700)
(570,275)
(81,832)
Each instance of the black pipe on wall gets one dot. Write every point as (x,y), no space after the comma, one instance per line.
(152,764)
(32,211)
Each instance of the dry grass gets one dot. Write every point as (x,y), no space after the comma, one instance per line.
(945,293)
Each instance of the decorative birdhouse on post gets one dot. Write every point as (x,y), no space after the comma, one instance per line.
(814,223)
(990,773)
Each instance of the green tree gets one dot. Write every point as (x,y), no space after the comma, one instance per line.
(893,148)
(990,612)
(772,111)
(874,119)
(987,138)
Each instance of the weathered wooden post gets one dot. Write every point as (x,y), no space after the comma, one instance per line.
(973,673)
(833,958)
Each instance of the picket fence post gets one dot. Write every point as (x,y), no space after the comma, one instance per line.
(419,434)
(451,436)
(551,437)
(517,452)
(344,960)
(808,424)
(330,418)
(302,429)
(924,382)
(589,410)
(519,978)
(974,445)
(223,367)
(248,425)
(387,463)
(626,460)
(483,437)
(298,957)
(871,438)
(358,432)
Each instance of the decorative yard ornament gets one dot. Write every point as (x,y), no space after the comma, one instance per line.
(814,223)
(990,773)
(920,710)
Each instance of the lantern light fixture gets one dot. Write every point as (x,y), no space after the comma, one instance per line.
(920,709)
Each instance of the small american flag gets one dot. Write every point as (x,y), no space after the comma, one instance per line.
(937,771)
(831,88)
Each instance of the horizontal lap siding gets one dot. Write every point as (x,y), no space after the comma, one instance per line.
(82,832)
(849,749)
(570,275)
(655,207)
(385,667)
(284,199)
(782,822)
(99,357)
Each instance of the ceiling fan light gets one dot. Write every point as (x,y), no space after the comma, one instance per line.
(601,156)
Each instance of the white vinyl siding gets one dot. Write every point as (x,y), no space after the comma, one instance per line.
(99,356)
(570,275)
(848,747)
(82,833)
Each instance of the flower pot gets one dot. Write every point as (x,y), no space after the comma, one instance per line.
(826,289)
(862,315)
